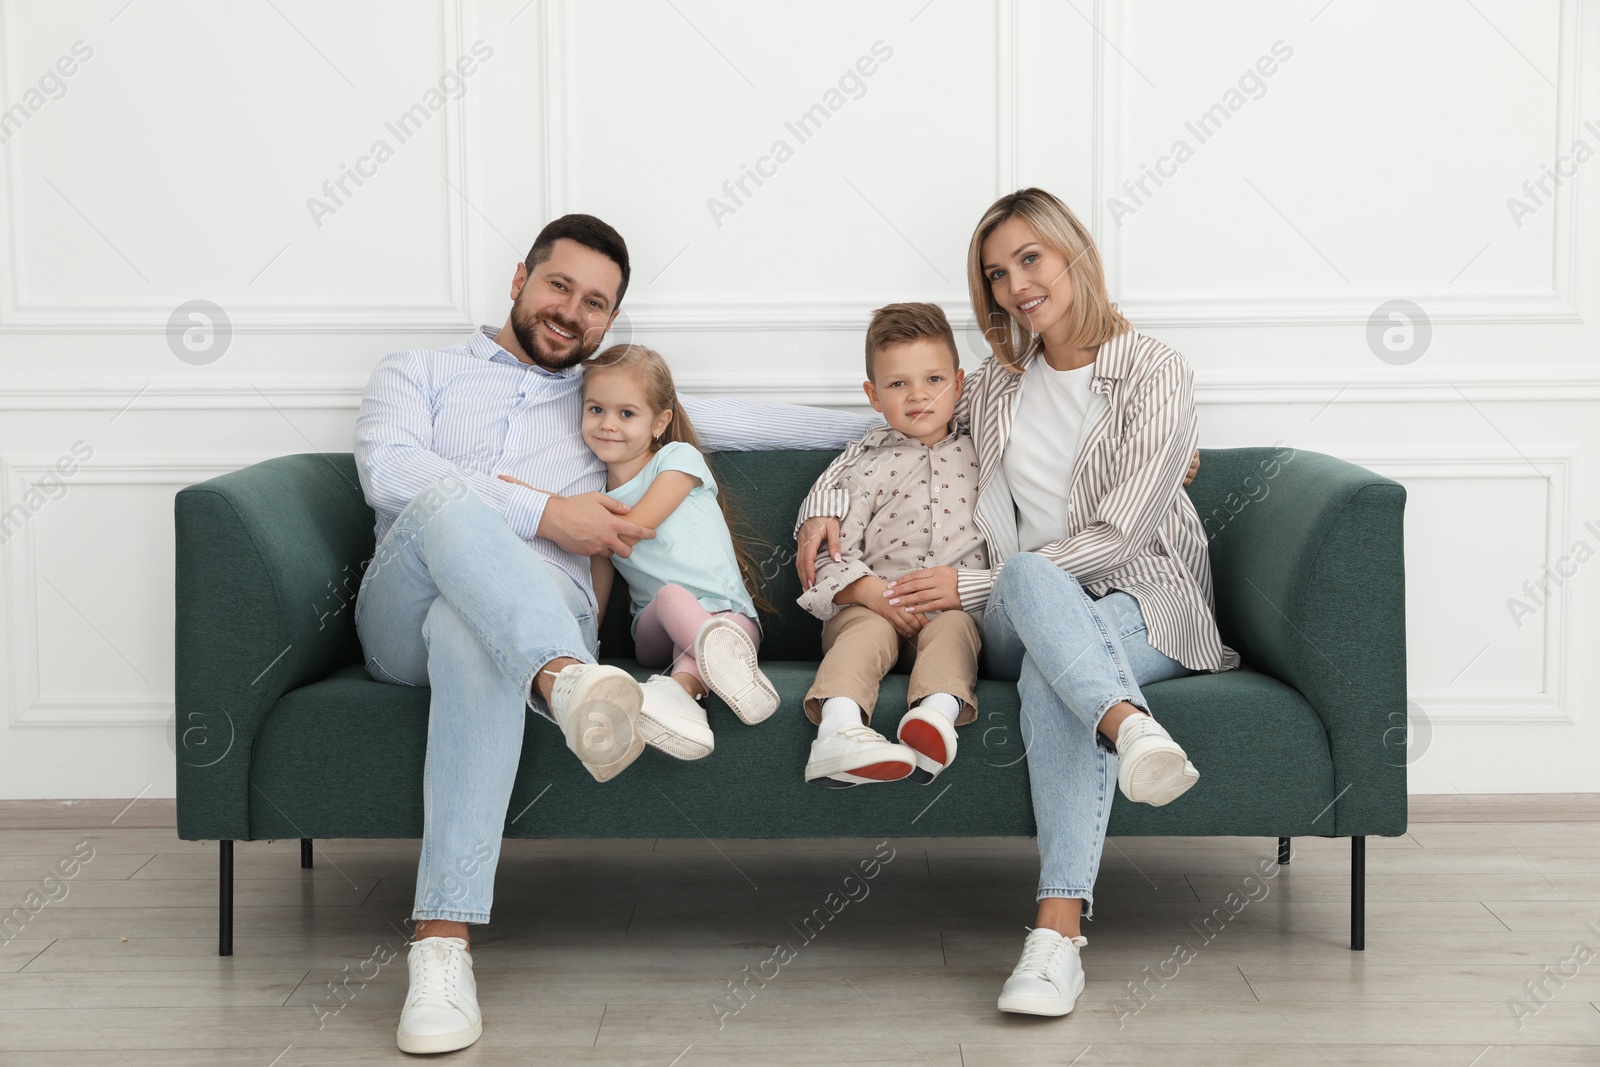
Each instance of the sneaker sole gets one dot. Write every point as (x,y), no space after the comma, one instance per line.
(1159,776)
(424,1043)
(831,783)
(727,659)
(658,735)
(927,743)
(608,707)
(1037,1005)
(1051,1006)
(886,771)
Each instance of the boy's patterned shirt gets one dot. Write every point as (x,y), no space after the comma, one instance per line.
(911,507)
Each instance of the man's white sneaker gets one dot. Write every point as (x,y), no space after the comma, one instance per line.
(1049,976)
(855,755)
(597,708)
(932,737)
(441,1011)
(672,721)
(1152,768)
(727,659)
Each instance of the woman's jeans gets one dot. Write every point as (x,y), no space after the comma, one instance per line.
(456,601)
(1074,657)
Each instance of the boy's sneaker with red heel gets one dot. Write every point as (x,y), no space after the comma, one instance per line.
(857,755)
(931,736)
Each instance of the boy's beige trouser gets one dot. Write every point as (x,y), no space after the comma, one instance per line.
(859,646)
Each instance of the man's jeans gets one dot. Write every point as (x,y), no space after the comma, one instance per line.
(454,600)
(1073,658)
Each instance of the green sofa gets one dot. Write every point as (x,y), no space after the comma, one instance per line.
(282,734)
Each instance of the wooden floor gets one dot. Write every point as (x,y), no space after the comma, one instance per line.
(622,952)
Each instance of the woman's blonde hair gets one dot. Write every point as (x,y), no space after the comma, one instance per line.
(1093,318)
(653,373)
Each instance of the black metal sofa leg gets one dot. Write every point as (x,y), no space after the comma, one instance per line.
(225,898)
(1358,894)
(1283,851)
(305,853)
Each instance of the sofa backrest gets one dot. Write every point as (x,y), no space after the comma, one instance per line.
(767,487)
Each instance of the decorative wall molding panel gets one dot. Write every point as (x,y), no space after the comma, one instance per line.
(30,704)
(1352,153)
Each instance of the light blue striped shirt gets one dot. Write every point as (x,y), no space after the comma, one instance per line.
(474,411)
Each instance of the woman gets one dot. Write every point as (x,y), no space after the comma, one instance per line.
(1101,581)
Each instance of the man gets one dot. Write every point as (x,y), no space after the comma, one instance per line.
(489,505)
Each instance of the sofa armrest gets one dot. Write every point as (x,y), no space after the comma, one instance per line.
(269,559)
(1308,557)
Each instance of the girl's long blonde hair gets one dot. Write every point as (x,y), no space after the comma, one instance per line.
(1094,318)
(660,393)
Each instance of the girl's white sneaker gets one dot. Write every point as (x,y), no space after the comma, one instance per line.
(673,722)
(1048,978)
(727,659)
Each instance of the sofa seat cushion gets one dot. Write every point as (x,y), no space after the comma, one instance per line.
(343,757)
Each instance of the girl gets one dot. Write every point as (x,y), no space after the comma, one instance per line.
(689,585)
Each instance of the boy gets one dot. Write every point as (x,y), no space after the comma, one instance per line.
(912,494)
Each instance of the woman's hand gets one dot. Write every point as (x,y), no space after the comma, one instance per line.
(1194,468)
(815,530)
(871,592)
(933,589)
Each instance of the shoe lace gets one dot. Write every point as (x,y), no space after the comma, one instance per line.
(862,733)
(1136,727)
(1036,955)
(438,974)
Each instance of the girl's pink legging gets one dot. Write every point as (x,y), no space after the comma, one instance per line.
(667,627)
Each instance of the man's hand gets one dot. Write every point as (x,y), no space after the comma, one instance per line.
(816,529)
(1194,468)
(589,524)
(928,590)
(869,592)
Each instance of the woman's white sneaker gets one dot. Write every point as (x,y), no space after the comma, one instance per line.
(1048,978)
(441,1010)
(1152,768)
(597,708)
(727,660)
(856,755)
(673,722)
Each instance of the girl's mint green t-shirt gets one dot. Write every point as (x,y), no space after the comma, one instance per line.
(692,546)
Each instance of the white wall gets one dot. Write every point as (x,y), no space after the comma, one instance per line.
(1375,163)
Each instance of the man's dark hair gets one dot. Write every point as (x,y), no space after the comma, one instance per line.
(589,232)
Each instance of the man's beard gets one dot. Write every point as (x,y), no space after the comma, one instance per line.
(535,339)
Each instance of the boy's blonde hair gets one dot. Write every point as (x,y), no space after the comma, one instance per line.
(661,394)
(1094,318)
(895,324)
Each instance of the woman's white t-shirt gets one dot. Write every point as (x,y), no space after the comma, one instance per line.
(1054,408)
